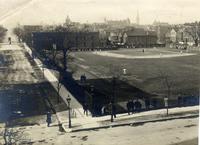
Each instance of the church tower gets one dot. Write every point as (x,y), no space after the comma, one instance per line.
(67,20)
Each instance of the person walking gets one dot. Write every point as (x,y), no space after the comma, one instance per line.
(48,119)
(9,40)
(114,111)
(103,110)
(132,106)
(128,105)
(147,104)
(85,108)
(138,106)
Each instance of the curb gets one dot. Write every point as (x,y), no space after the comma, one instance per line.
(137,123)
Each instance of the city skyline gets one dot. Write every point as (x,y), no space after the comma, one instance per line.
(54,12)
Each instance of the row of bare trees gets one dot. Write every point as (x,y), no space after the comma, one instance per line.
(59,56)
(2,33)
(193,29)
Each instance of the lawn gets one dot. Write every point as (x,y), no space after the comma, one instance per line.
(183,73)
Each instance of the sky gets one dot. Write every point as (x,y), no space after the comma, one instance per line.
(14,12)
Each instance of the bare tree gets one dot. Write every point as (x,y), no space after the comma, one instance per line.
(194,31)
(54,52)
(2,33)
(68,44)
(59,85)
(116,74)
(18,32)
(14,136)
(167,85)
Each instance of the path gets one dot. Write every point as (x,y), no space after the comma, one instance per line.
(110,54)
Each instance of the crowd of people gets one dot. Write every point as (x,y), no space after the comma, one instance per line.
(133,106)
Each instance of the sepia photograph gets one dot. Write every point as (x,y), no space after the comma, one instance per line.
(99,72)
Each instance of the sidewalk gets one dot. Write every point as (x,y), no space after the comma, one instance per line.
(64,93)
(81,124)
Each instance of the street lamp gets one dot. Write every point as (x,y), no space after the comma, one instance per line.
(68,101)
(42,67)
(92,99)
(113,99)
(147,33)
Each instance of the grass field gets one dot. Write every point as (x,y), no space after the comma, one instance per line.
(183,73)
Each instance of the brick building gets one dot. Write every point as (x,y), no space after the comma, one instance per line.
(74,40)
(139,38)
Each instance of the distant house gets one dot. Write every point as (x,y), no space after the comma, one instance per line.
(187,38)
(180,35)
(167,38)
(139,38)
(115,38)
(184,37)
(103,38)
(173,37)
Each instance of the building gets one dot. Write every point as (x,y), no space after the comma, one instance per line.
(115,38)
(139,38)
(103,37)
(118,23)
(179,35)
(188,38)
(173,36)
(73,40)
(161,33)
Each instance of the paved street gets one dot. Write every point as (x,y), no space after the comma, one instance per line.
(22,85)
(168,132)
(158,133)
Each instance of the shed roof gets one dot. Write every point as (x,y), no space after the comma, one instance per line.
(140,32)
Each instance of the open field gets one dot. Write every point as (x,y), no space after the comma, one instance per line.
(182,70)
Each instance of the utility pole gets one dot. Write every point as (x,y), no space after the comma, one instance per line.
(69,115)
(166,99)
(147,33)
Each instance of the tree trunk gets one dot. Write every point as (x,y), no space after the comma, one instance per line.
(64,59)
